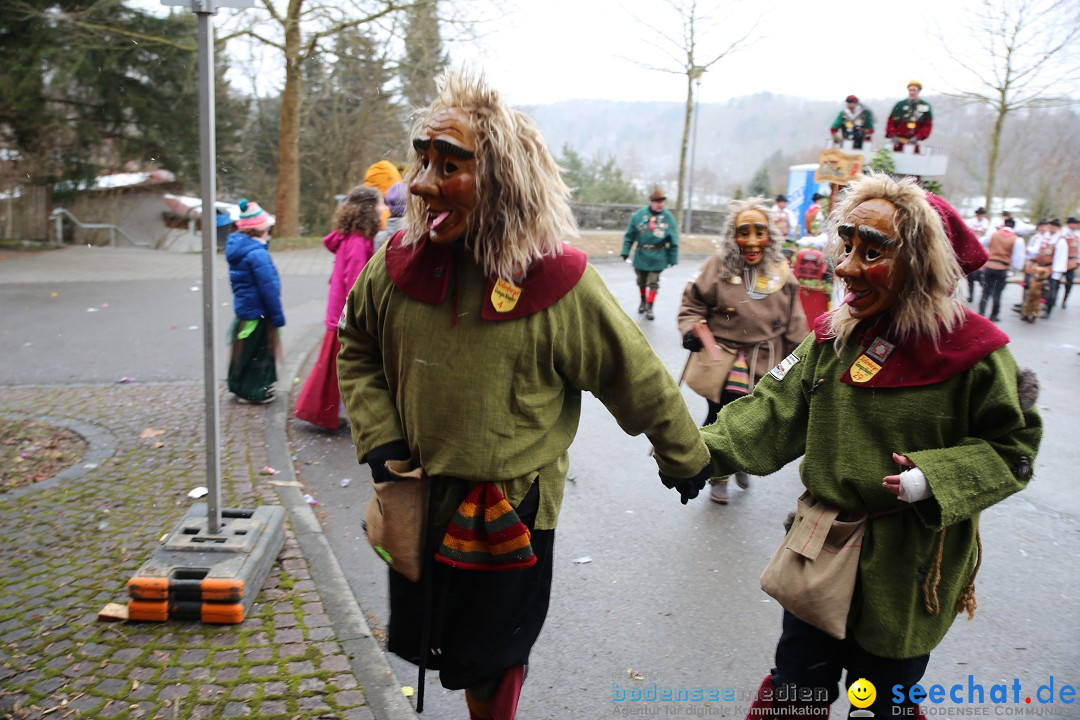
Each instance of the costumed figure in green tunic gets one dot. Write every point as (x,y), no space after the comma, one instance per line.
(911,416)
(466,344)
(653,230)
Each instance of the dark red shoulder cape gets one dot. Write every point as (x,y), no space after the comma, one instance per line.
(918,362)
(422,271)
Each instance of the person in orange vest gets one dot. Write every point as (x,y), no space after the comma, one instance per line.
(1006,250)
(1072,237)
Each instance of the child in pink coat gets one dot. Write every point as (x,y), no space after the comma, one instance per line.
(355,224)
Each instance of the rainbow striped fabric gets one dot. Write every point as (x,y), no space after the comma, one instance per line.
(738,379)
(486,534)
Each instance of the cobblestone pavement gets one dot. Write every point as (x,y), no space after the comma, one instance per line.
(71,545)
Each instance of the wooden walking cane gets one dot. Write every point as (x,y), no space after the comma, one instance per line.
(428,569)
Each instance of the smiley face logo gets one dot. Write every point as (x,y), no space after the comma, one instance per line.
(862,693)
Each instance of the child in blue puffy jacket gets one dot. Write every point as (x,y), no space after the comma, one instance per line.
(256,290)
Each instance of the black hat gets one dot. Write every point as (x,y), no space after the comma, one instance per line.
(980,211)
(1055,222)
(781,198)
(1044,221)
(1071,220)
(816,196)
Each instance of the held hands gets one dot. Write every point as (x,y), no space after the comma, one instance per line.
(910,485)
(688,487)
(692,342)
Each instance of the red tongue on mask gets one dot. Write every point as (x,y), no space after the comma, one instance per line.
(439,218)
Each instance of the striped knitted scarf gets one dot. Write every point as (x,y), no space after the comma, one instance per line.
(486,534)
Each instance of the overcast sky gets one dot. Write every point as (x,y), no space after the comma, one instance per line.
(542,52)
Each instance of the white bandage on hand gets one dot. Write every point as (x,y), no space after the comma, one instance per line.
(913,486)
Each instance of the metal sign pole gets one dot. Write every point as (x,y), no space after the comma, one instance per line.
(211,346)
(203,10)
(212,576)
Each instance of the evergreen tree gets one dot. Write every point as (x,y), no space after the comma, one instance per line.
(99,86)
(352,120)
(424,55)
(760,183)
(599,180)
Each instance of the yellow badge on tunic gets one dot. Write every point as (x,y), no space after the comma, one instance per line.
(504,296)
(864,369)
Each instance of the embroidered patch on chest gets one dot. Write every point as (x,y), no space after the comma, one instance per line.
(784,366)
(504,296)
(880,349)
(863,369)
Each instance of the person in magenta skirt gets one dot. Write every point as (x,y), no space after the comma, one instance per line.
(352,242)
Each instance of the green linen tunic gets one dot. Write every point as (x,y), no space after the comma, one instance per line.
(658,248)
(500,400)
(967,434)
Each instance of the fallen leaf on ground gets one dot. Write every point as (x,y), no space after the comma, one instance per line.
(151,433)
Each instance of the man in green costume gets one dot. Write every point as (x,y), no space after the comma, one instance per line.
(466,344)
(908,410)
(653,229)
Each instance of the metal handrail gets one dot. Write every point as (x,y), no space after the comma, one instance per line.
(58,214)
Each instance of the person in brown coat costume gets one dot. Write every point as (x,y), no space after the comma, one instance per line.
(749,300)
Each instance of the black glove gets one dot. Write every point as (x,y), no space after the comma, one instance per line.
(691,342)
(688,487)
(625,257)
(376,459)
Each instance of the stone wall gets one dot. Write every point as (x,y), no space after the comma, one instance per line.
(602,216)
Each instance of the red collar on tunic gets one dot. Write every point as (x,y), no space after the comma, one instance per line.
(918,362)
(422,271)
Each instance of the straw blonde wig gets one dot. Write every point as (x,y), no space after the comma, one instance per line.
(522,211)
(927,304)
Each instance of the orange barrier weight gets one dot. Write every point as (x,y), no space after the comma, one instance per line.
(148,610)
(148,588)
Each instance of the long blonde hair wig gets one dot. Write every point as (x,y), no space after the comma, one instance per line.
(927,305)
(522,211)
(730,257)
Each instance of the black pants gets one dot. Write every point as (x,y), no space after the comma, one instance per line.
(1050,295)
(812,662)
(483,622)
(1069,274)
(993,285)
(975,277)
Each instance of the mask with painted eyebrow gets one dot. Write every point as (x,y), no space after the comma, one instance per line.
(421,145)
(760,227)
(452,149)
(872,235)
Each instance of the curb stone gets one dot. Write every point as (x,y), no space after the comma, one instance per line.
(381,686)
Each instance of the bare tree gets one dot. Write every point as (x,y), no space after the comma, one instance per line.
(299,30)
(704,39)
(1027,61)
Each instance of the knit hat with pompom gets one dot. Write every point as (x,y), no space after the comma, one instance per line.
(253,217)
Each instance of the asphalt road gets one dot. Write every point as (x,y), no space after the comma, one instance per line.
(672,592)
(641,581)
